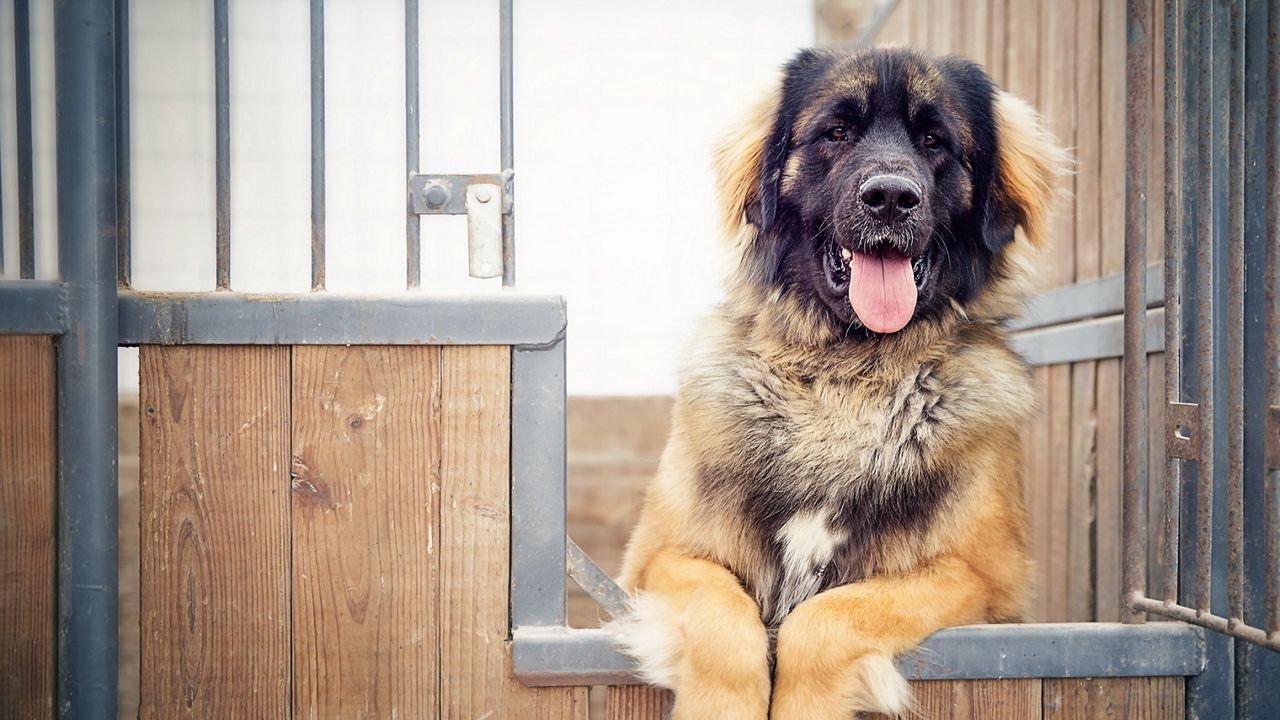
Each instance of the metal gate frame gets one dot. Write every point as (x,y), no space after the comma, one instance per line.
(91,311)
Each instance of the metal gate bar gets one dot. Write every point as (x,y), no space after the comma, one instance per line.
(222,143)
(26,182)
(87,576)
(1213,47)
(318,259)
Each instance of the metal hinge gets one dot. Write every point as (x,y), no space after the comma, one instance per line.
(484,199)
(447,194)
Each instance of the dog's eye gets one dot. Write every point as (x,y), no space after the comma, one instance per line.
(838,133)
(931,141)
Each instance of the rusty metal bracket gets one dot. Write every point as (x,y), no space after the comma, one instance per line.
(447,194)
(1182,423)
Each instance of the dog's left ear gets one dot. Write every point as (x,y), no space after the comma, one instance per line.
(1028,172)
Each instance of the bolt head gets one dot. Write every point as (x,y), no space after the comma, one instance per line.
(437,195)
(483,195)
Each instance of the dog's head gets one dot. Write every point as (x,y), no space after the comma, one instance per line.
(883,186)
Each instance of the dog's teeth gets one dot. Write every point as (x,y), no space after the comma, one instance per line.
(846,253)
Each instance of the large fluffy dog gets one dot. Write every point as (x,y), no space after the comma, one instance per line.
(843,468)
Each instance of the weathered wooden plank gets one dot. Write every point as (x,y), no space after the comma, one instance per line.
(1036,488)
(215,532)
(1058,478)
(1108,493)
(476,678)
(365,481)
(638,702)
(28,462)
(1111,144)
(987,699)
(1080,523)
(1057,66)
(1154,698)
(1157,566)
(1088,140)
(975,31)
(1022,51)
(997,34)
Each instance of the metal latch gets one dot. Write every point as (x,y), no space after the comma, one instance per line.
(484,230)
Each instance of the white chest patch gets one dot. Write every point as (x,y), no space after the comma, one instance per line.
(808,543)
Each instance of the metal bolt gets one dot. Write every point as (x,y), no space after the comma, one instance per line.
(437,195)
(483,194)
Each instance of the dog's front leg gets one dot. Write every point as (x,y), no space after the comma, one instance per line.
(697,632)
(836,649)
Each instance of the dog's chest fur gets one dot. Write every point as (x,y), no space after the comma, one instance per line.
(824,475)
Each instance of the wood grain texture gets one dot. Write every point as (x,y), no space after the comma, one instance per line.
(1155,698)
(638,702)
(1022,51)
(476,679)
(1157,565)
(1057,103)
(1088,140)
(1107,539)
(1058,479)
(364,488)
(1080,523)
(215,533)
(28,466)
(987,699)
(1111,111)
(1035,481)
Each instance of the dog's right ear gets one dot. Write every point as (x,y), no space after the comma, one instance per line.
(751,159)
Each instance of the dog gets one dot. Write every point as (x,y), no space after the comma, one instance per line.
(842,477)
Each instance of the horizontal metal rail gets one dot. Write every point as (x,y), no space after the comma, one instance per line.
(227,318)
(32,307)
(552,656)
(1227,626)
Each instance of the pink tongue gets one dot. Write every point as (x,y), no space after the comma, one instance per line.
(882,290)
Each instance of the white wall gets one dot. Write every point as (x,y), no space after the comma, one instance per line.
(617,105)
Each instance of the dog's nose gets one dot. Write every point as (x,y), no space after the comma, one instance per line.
(890,198)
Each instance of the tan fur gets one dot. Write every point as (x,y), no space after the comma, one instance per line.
(945,395)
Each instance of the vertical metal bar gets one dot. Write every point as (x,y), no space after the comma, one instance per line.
(222,131)
(1137,141)
(317,146)
(538,485)
(1257,666)
(26,163)
(1173,88)
(1272,332)
(506,41)
(413,224)
(1235,319)
(1204,317)
(87,520)
(124,223)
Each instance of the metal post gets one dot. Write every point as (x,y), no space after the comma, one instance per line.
(1204,314)
(26,177)
(222,142)
(1137,80)
(317,146)
(124,243)
(413,224)
(1235,319)
(506,40)
(1174,87)
(87,520)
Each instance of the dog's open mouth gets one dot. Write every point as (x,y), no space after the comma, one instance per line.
(882,284)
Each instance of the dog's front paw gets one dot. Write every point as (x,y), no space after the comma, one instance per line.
(825,672)
(714,655)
